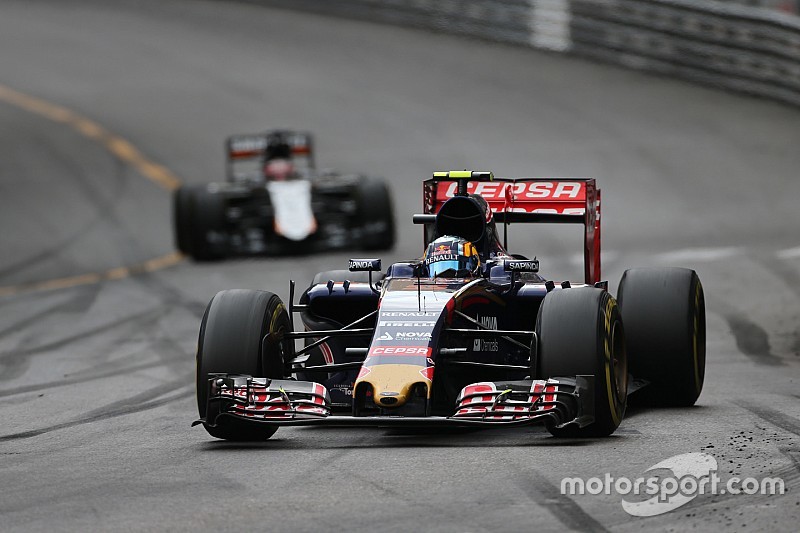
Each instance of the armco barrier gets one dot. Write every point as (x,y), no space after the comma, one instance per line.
(733,46)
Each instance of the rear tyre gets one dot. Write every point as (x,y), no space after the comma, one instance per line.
(580,332)
(665,323)
(196,212)
(375,214)
(234,324)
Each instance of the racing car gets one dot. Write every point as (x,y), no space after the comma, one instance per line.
(275,201)
(468,335)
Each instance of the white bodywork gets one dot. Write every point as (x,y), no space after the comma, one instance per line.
(291,200)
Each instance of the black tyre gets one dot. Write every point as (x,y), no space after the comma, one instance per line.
(580,332)
(234,324)
(375,214)
(196,212)
(665,323)
(181,218)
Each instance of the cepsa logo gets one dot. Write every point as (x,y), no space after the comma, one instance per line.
(521,190)
(401,350)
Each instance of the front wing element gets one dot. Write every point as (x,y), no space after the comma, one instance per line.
(264,399)
(556,401)
(563,401)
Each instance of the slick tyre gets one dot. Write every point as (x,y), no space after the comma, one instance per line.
(196,212)
(375,214)
(580,332)
(231,333)
(665,324)
(182,219)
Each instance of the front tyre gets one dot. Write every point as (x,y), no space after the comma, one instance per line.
(580,333)
(665,322)
(230,342)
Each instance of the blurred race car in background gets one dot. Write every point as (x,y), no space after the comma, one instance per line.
(468,335)
(276,202)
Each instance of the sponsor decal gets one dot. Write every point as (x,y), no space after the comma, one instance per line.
(521,266)
(409,313)
(442,257)
(344,388)
(486,345)
(403,335)
(488,322)
(248,144)
(404,324)
(401,350)
(357,265)
(480,345)
(521,191)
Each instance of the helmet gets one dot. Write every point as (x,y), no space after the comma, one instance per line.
(279,170)
(452,257)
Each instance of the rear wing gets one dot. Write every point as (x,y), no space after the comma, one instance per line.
(247,153)
(529,200)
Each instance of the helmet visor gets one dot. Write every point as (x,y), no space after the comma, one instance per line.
(440,267)
(462,267)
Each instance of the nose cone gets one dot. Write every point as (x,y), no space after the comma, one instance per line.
(392,384)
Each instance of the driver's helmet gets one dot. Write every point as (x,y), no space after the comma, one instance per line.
(279,170)
(451,257)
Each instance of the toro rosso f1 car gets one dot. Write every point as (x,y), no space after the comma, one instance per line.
(274,201)
(469,335)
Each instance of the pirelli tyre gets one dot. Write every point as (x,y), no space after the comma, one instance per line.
(665,324)
(231,334)
(196,212)
(580,331)
(375,214)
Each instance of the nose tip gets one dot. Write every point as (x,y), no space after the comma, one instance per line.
(389,400)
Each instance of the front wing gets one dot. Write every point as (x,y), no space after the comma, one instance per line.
(560,402)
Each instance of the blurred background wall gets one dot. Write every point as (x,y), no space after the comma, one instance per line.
(750,46)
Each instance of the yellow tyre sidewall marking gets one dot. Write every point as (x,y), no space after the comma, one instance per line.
(612,403)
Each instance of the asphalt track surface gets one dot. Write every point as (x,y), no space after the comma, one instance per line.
(96,377)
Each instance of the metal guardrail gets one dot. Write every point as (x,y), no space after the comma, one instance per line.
(732,46)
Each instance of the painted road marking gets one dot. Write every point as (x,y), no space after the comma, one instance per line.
(115,144)
(122,150)
(94,277)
